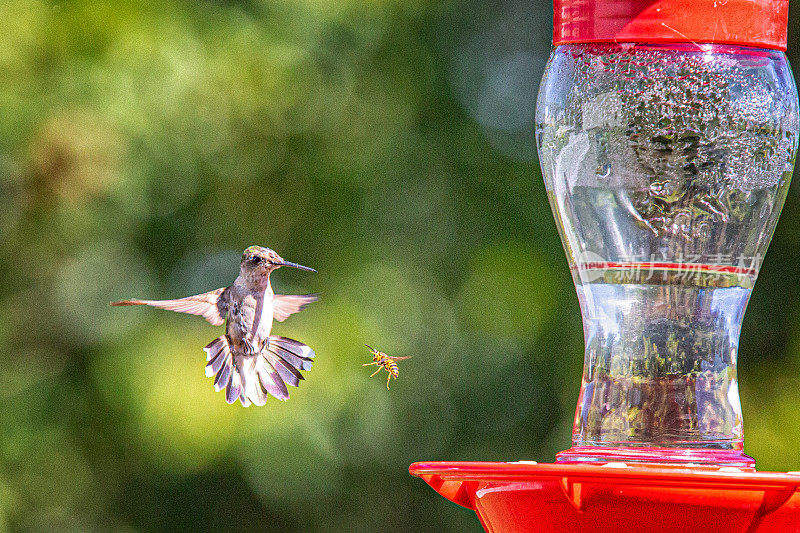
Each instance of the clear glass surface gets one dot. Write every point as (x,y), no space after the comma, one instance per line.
(666,169)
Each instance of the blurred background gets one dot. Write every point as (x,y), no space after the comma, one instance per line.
(387,143)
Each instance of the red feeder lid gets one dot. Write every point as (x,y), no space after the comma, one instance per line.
(757,23)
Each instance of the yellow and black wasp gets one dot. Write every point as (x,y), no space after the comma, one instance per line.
(383,361)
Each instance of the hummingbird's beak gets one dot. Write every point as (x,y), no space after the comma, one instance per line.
(295,265)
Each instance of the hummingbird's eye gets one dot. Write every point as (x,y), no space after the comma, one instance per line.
(256,260)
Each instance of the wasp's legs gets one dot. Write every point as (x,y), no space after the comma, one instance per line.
(379,369)
(388,379)
(370,364)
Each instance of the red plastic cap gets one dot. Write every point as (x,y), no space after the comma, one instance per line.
(758,23)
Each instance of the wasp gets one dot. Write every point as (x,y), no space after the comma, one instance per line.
(383,361)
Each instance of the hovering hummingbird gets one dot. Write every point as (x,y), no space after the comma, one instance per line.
(249,363)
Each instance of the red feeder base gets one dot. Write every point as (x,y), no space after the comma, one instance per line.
(616,497)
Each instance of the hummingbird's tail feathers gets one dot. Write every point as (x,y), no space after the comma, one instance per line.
(234,389)
(215,365)
(220,361)
(250,378)
(217,351)
(300,363)
(289,357)
(264,374)
(251,391)
(289,374)
(291,345)
(271,380)
(224,375)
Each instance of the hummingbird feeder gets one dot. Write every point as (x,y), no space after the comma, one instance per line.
(667,133)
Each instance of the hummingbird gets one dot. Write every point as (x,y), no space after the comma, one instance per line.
(249,362)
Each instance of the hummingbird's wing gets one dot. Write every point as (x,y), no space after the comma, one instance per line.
(212,305)
(284,305)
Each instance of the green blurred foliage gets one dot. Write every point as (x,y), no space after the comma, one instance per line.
(389,144)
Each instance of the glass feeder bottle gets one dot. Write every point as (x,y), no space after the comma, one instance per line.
(667,158)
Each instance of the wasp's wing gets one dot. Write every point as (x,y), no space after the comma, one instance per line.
(212,305)
(284,305)
(401,358)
